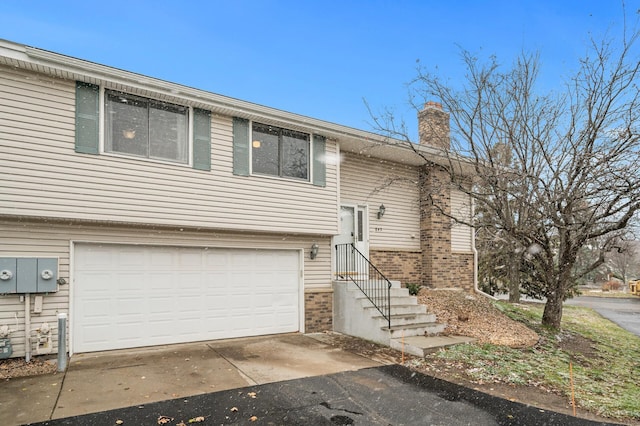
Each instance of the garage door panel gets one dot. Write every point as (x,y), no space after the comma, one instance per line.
(238,260)
(188,307)
(185,327)
(216,303)
(160,303)
(190,282)
(93,341)
(94,258)
(215,258)
(130,258)
(128,308)
(103,280)
(126,280)
(160,328)
(190,259)
(161,282)
(127,330)
(131,296)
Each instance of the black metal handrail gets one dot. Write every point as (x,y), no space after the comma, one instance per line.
(354,266)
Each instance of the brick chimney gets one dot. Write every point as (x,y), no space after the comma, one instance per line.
(441,266)
(433,126)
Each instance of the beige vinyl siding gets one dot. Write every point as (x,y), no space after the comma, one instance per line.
(43,176)
(35,239)
(372,182)
(12,309)
(461,235)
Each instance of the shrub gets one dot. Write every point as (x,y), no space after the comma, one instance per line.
(611,286)
(413,288)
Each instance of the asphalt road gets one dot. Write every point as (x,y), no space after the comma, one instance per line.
(624,312)
(388,395)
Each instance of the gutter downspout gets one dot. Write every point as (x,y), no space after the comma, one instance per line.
(475,273)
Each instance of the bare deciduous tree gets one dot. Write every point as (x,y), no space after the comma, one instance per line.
(624,260)
(553,172)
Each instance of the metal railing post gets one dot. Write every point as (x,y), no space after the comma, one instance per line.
(354,266)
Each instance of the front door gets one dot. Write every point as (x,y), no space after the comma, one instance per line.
(353,229)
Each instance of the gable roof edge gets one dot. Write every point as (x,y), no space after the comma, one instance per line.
(351,139)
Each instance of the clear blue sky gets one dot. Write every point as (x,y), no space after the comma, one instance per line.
(315,58)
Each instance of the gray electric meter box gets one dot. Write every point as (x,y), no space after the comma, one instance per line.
(28,275)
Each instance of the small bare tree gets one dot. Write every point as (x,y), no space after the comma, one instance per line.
(553,172)
(624,260)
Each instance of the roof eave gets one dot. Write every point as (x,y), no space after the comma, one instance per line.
(350,139)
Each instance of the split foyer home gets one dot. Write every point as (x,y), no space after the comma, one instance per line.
(152,213)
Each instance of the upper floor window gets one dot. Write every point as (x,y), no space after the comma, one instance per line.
(146,128)
(279,152)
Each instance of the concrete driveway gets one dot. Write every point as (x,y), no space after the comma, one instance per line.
(274,380)
(108,380)
(386,395)
(623,311)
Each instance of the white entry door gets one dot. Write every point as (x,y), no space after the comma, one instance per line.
(353,229)
(127,296)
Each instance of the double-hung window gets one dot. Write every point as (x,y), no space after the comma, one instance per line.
(146,128)
(279,152)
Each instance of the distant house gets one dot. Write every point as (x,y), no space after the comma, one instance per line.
(153,213)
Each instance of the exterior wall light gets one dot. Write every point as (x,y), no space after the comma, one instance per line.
(314,251)
(381,211)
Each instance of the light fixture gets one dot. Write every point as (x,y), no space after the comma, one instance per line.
(256,144)
(129,133)
(381,211)
(314,251)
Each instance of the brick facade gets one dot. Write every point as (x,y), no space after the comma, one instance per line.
(463,269)
(435,228)
(403,266)
(318,311)
(441,268)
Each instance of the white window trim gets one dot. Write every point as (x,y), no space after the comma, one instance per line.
(102,131)
(309,179)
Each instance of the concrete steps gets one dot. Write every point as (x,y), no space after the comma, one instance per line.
(398,309)
(415,329)
(422,345)
(412,327)
(406,319)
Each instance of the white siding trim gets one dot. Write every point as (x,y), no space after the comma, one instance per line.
(301,311)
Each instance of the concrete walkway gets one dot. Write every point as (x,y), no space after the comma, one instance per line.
(103,381)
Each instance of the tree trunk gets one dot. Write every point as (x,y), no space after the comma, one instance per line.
(552,315)
(514,280)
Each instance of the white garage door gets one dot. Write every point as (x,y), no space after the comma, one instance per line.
(131,296)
